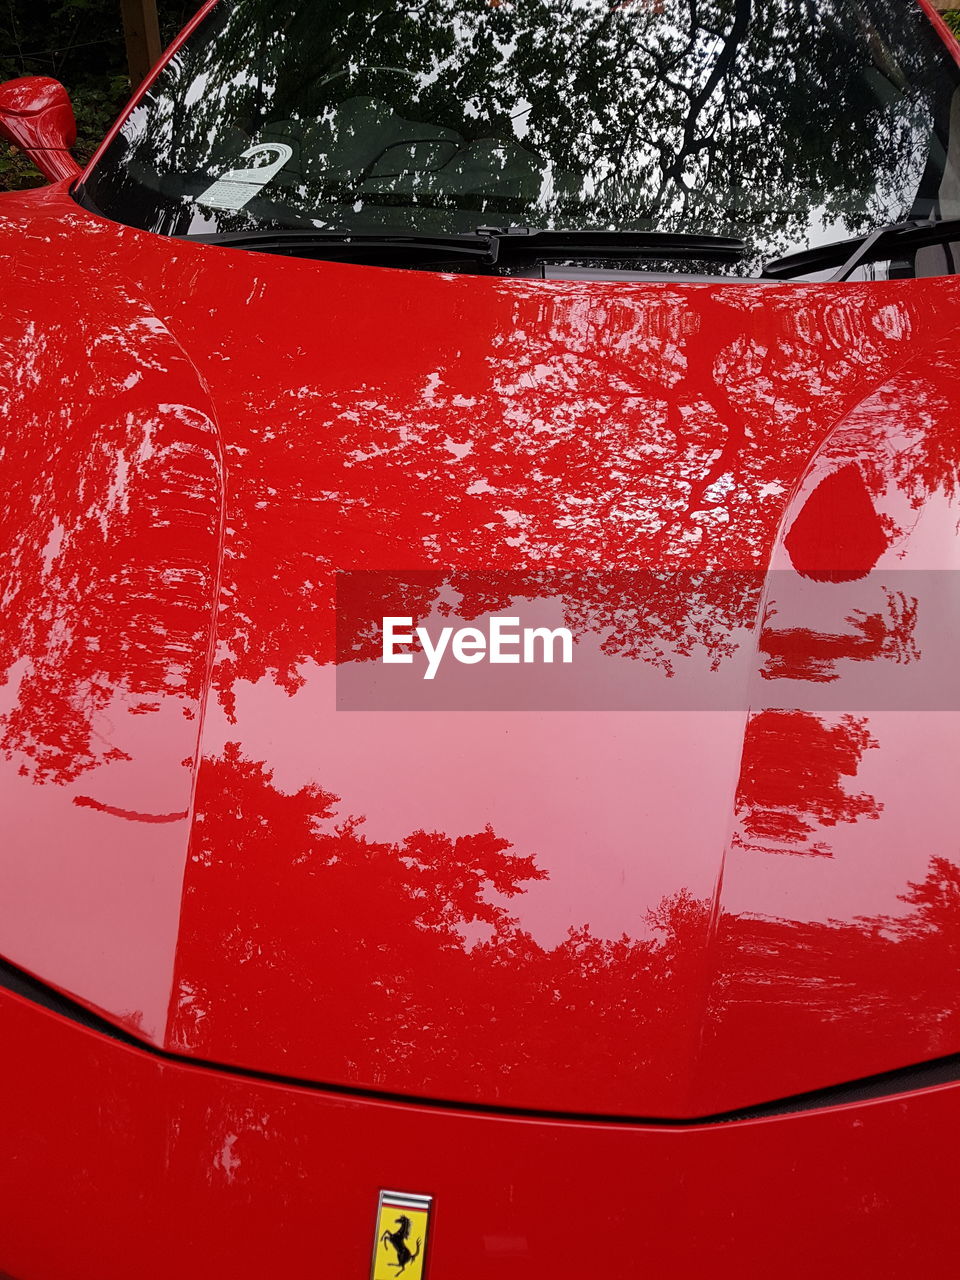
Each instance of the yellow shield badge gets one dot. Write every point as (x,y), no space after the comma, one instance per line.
(400,1246)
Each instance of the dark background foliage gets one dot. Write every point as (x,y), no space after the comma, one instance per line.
(79,42)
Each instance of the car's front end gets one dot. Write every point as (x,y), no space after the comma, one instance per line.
(478,709)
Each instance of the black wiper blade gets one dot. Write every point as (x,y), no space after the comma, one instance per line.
(535,243)
(879,244)
(488,244)
(294,239)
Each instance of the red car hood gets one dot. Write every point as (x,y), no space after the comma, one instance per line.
(670,909)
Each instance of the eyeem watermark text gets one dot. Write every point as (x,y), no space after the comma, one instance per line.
(429,640)
(504,642)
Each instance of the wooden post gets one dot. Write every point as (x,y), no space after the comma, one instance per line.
(141,30)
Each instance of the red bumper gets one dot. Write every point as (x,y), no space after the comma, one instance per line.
(119,1164)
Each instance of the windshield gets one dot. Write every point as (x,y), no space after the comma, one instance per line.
(787,124)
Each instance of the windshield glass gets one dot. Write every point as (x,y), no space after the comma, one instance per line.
(787,124)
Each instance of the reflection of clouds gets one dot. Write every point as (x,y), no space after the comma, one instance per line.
(606,430)
(358,963)
(598,434)
(432,998)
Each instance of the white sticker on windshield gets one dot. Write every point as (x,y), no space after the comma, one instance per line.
(237,187)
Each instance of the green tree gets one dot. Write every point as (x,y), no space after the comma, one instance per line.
(80,43)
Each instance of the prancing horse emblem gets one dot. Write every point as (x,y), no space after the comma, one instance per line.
(402,1242)
(399,1240)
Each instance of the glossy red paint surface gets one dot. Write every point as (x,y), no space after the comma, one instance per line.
(646,913)
(36,115)
(156,1169)
(946,35)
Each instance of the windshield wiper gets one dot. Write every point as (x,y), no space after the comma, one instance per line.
(486,244)
(880,244)
(534,243)
(348,243)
